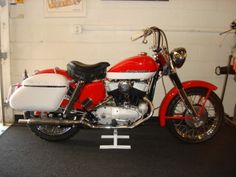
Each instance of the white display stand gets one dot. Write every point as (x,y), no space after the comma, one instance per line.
(115,138)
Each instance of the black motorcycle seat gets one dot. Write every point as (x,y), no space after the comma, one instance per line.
(81,71)
(90,67)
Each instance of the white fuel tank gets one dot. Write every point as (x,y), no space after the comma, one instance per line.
(43,92)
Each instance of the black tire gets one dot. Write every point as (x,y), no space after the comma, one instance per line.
(212,116)
(43,131)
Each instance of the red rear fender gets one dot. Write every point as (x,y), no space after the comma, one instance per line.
(174,91)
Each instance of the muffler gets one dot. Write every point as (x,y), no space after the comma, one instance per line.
(38,121)
(55,122)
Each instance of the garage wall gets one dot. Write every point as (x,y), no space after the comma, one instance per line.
(38,42)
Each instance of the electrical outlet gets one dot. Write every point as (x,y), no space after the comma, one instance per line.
(77,29)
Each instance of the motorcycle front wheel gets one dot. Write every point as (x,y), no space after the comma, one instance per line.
(51,132)
(190,130)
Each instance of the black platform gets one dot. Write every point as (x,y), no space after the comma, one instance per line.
(155,153)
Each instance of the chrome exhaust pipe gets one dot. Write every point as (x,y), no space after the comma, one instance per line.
(138,122)
(38,121)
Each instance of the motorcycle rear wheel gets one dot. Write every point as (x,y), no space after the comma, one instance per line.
(51,132)
(211,117)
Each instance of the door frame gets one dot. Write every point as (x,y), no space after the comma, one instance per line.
(5,74)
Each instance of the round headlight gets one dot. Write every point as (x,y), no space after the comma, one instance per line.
(178,56)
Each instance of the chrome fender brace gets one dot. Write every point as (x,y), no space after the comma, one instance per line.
(73,98)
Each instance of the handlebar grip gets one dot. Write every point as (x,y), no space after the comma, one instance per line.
(137,36)
(225,31)
(146,32)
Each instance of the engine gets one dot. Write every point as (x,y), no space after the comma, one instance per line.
(127,105)
(127,92)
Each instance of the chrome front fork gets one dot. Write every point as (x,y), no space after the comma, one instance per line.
(176,81)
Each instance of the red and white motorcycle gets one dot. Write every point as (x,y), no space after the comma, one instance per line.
(56,102)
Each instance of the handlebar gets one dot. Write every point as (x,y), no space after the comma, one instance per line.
(159,37)
(232,27)
(135,37)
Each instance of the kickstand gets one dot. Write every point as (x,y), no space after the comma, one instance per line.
(115,138)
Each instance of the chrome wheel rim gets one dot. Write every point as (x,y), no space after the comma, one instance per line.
(53,130)
(209,117)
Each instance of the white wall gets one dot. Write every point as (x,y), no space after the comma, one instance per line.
(38,42)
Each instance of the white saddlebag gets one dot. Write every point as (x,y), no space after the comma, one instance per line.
(43,92)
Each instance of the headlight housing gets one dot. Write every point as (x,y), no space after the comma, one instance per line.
(178,56)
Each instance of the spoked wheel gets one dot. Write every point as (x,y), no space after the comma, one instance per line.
(208,123)
(51,132)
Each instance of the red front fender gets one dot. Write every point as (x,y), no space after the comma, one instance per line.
(174,91)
